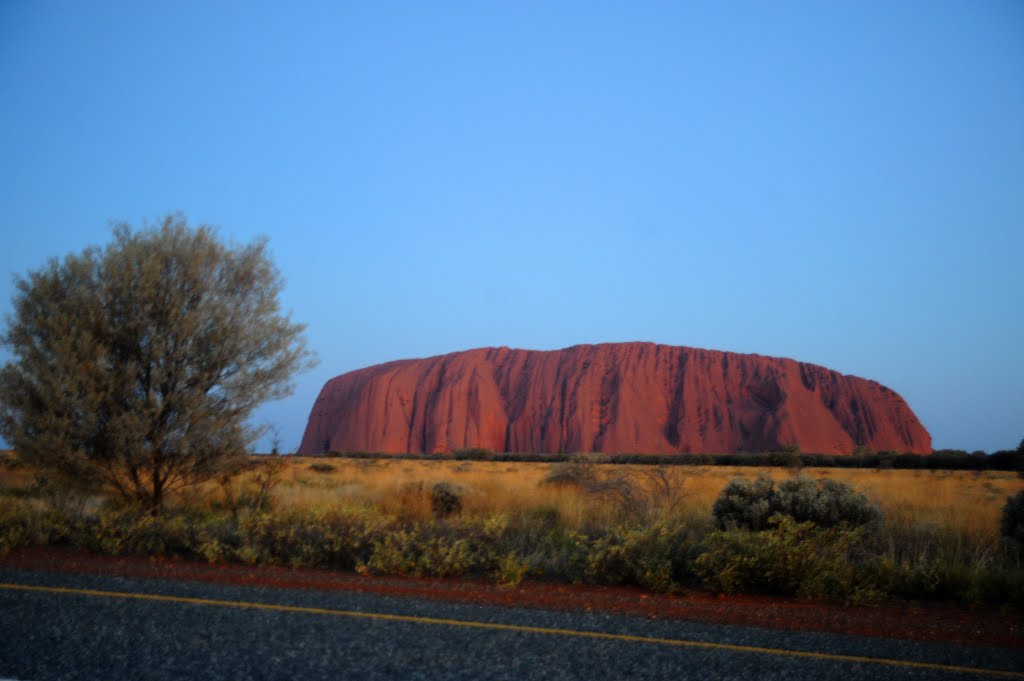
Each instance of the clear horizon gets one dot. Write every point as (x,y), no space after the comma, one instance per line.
(836,184)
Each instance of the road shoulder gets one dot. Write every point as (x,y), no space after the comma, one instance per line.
(909,621)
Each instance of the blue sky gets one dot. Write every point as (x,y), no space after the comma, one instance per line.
(841,183)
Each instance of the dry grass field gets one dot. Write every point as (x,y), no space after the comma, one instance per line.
(968,502)
(963,501)
(581,521)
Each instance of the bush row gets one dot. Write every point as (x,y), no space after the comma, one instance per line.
(946,459)
(821,553)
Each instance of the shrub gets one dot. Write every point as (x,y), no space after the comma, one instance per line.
(336,539)
(322,468)
(124,530)
(420,553)
(1012,521)
(571,474)
(664,490)
(653,557)
(511,570)
(559,553)
(21,524)
(934,580)
(473,454)
(218,538)
(617,494)
(445,499)
(791,559)
(826,503)
(745,504)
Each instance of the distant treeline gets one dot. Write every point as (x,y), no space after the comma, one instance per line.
(944,459)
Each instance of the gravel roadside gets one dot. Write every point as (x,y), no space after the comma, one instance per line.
(907,621)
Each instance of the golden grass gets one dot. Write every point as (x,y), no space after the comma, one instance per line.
(967,501)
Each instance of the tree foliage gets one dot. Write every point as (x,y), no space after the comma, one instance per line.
(137,365)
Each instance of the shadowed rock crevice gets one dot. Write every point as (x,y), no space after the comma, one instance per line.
(675,413)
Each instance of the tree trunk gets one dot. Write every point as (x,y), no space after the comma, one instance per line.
(158,496)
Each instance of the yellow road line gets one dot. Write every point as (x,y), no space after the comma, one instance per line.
(550,631)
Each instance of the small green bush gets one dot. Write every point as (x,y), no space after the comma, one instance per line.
(473,454)
(744,504)
(934,580)
(571,474)
(653,557)
(335,539)
(550,548)
(125,530)
(21,524)
(789,558)
(512,569)
(445,499)
(619,497)
(825,503)
(1012,522)
(423,554)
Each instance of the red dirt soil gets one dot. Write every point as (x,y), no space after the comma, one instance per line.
(616,398)
(976,627)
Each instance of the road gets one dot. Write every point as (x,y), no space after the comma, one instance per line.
(73,626)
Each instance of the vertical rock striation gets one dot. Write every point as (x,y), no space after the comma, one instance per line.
(616,398)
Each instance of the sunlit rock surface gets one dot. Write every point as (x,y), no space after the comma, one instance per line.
(615,398)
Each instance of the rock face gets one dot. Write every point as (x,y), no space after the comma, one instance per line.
(616,398)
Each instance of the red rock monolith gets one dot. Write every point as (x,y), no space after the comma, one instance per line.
(615,398)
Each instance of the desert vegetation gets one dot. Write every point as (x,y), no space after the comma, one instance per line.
(135,368)
(855,535)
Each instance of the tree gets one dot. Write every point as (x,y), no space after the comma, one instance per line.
(136,366)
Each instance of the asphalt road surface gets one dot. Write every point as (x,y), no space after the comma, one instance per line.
(69,626)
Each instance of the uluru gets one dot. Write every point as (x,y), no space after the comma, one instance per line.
(615,398)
